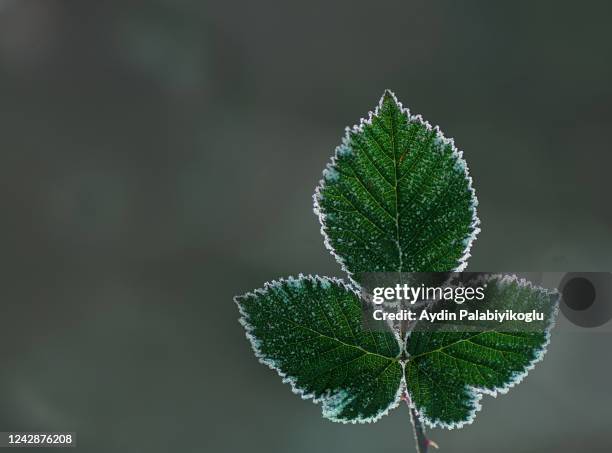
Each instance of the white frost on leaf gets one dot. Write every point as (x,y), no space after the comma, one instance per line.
(330,174)
(333,401)
(475,394)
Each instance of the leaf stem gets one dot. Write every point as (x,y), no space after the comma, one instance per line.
(422,441)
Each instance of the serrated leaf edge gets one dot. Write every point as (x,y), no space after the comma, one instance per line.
(326,400)
(476,393)
(357,128)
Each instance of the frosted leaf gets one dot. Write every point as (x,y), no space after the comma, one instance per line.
(396,197)
(310,331)
(447,371)
(401,192)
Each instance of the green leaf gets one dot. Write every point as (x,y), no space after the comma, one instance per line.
(397,197)
(450,367)
(310,331)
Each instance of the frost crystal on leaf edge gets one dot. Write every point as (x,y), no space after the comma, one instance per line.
(344,149)
(331,402)
(476,393)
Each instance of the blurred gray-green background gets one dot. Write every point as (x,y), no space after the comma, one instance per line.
(158,158)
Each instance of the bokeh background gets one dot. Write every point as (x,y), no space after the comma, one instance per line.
(158,158)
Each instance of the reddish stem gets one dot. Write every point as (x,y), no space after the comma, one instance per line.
(422,441)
